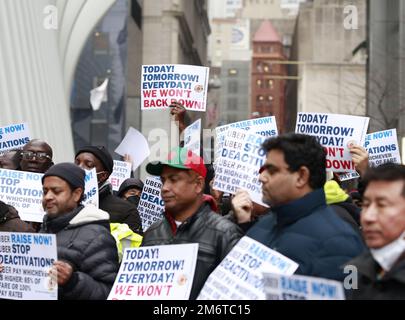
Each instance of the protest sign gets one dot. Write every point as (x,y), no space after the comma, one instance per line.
(156,273)
(14,136)
(239,275)
(335,132)
(265,127)
(135,145)
(161,85)
(90,188)
(121,172)
(23,191)
(26,259)
(382,147)
(239,163)
(151,205)
(348,176)
(281,287)
(192,137)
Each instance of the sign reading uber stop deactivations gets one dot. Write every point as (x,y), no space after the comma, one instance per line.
(163,84)
(239,275)
(334,132)
(238,165)
(14,136)
(151,205)
(156,273)
(26,259)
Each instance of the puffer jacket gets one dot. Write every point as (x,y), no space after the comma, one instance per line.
(215,235)
(311,234)
(120,211)
(10,220)
(84,241)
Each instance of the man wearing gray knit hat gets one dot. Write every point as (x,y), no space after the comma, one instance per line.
(87,255)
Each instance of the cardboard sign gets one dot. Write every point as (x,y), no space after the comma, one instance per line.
(23,191)
(14,136)
(335,132)
(151,206)
(239,275)
(281,287)
(161,85)
(239,163)
(192,137)
(26,259)
(156,273)
(382,147)
(121,172)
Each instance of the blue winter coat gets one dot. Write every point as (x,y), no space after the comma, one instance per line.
(310,233)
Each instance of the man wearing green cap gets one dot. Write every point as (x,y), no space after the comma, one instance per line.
(189,217)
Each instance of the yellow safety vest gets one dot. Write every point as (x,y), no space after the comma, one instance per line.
(124,237)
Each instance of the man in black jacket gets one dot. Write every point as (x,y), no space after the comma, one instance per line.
(188,216)
(381,269)
(120,211)
(87,254)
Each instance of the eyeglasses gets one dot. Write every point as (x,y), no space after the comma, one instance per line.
(40,156)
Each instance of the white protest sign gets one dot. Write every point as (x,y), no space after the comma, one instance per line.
(382,147)
(335,132)
(23,191)
(14,136)
(348,176)
(281,287)
(156,273)
(121,172)
(239,163)
(151,206)
(90,188)
(192,137)
(239,275)
(265,127)
(135,145)
(26,259)
(163,84)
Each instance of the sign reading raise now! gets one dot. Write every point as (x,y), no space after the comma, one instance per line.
(161,85)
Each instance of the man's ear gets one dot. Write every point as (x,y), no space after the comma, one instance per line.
(77,194)
(303,177)
(200,182)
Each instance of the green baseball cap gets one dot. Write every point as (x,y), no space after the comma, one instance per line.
(180,158)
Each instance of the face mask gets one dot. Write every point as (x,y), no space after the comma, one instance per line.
(134,200)
(389,254)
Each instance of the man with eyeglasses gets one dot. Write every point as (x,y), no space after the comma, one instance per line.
(301,225)
(120,211)
(36,156)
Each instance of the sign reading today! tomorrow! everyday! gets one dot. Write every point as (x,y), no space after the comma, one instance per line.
(26,259)
(156,273)
(163,84)
(335,132)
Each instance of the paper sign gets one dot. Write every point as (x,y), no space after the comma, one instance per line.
(136,145)
(90,188)
(156,273)
(265,127)
(23,191)
(382,147)
(163,84)
(239,275)
(14,136)
(26,259)
(192,137)
(335,132)
(151,206)
(281,287)
(239,163)
(121,172)
(348,176)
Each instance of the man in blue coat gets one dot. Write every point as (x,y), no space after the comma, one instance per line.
(301,225)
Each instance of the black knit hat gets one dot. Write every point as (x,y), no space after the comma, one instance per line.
(71,173)
(128,184)
(102,154)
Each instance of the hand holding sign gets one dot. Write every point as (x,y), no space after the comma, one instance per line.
(63,271)
(242,205)
(359,157)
